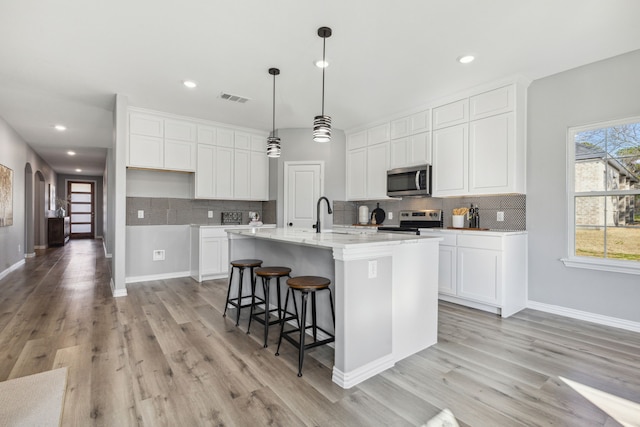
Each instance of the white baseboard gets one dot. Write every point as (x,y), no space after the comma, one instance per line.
(173,275)
(40,247)
(11,268)
(104,247)
(117,292)
(585,315)
(31,255)
(355,377)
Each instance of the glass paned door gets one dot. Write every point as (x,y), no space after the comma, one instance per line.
(82,210)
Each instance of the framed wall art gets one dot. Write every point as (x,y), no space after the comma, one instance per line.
(6,196)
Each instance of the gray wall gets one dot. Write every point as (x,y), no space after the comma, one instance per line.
(298,145)
(61,191)
(596,92)
(16,154)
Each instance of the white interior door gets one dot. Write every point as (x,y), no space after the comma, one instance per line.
(303,186)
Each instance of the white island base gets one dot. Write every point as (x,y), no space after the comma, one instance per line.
(385,290)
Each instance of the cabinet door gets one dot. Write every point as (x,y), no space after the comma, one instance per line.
(420,122)
(357,140)
(487,104)
(223,172)
(399,153)
(205,176)
(212,249)
(479,274)
(419,149)
(178,129)
(242,140)
(450,161)
(259,143)
(207,135)
(259,176)
(224,137)
(378,134)
(145,124)
(146,152)
(400,128)
(451,114)
(179,155)
(447,270)
(377,166)
(241,174)
(492,155)
(356,174)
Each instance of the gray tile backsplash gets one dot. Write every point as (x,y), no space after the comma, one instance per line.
(168,211)
(514,207)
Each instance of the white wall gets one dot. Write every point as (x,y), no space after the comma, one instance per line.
(593,93)
(298,145)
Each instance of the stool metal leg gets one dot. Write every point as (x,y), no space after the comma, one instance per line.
(253,304)
(239,295)
(282,321)
(228,293)
(265,288)
(314,317)
(303,316)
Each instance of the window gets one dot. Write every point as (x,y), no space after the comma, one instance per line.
(604,196)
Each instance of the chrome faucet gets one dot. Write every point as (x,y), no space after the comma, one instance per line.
(329,211)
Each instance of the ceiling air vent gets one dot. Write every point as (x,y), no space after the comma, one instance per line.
(233,98)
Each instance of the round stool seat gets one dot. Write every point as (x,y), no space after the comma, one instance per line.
(308,283)
(273,271)
(246,263)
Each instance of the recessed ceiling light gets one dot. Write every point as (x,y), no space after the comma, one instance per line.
(60,127)
(71,153)
(465,59)
(322,64)
(190,84)
(78,170)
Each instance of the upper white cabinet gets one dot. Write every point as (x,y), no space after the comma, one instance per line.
(159,143)
(368,155)
(415,123)
(410,151)
(479,144)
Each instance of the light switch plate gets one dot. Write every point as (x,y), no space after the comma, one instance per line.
(210,214)
(140,214)
(500,216)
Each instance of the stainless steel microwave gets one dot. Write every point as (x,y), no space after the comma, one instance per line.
(410,181)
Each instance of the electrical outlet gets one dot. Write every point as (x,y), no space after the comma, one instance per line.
(18,247)
(140,214)
(500,216)
(210,214)
(158,255)
(373,269)
(390,215)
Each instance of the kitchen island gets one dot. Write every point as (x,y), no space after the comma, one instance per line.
(385,290)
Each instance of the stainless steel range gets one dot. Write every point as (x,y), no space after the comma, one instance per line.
(412,221)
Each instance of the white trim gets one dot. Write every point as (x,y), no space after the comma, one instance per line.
(12,268)
(104,248)
(31,255)
(117,292)
(163,276)
(355,377)
(585,315)
(603,264)
(40,247)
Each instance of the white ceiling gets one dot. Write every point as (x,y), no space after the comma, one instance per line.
(62,61)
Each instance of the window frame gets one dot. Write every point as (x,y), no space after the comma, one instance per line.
(577,261)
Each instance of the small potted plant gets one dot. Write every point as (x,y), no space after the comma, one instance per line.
(62,205)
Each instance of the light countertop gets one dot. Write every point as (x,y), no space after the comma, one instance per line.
(330,238)
(425,231)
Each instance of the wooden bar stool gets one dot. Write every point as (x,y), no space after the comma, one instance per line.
(266,274)
(236,301)
(306,285)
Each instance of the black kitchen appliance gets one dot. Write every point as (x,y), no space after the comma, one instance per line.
(412,221)
(411,181)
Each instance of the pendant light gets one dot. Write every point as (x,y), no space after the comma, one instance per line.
(322,123)
(273,142)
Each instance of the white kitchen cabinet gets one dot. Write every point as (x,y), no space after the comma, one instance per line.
(451,161)
(180,130)
(484,270)
(241,174)
(209,253)
(410,125)
(410,151)
(242,140)
(493,102)
(223,172)
(399,152)
(205,172)
(451,114)
(357,140)
(146,124)
(146,152)
(378,134)
(492,155)
(225,138)
(207,135)
(377,166)
(180,155)
(259,176)
(259,143)
(357,174)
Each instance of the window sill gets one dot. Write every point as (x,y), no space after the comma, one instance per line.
(616,266)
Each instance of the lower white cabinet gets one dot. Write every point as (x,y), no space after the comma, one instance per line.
(484,270)
(209,253)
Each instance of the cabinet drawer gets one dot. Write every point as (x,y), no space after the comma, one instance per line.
(214,232)
(490,103)
(480,242)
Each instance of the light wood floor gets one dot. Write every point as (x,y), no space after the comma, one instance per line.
(165,356)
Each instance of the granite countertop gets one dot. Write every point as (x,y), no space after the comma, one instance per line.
(241,226)
(468,231)
(330,238)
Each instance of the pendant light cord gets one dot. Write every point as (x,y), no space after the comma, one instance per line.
(273,125)
(324,65)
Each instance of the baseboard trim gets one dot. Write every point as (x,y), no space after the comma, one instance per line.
(40,247)
(117,292)
(164,276)
(31,255)
(585,315)
(11,268)
(104,247)
(355,377)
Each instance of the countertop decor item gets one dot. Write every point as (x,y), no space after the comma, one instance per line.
(363,215)
(322,123)
(378,215)
(273,142)
(457,220)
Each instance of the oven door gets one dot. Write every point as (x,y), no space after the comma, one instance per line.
(413,181)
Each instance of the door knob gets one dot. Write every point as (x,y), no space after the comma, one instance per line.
(290,224)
